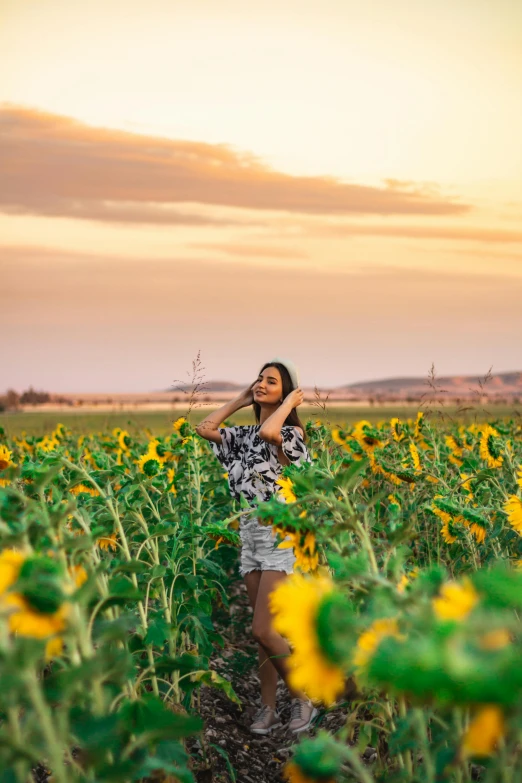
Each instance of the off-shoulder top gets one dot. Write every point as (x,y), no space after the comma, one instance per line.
(252,463)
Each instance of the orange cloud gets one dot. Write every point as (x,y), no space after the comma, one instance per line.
(471,234)
(86,323)
(55,165)
(109,212)
(252,251)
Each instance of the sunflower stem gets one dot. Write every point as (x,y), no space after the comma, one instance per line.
(41,708)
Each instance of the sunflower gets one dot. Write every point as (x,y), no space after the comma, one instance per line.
(26,621)
(415,458)
(495,640)
(513,509)
(76,531)
(519,475)
(478,531)
(5,462)
(443,515)
(106,542)
(366,436)
(156,451)
(10,563)
(455,600)
(5,457)
(484,732)
(338,438)
(23,618)
(84,489)
(378,469)
(88,457)
(453,446)
(149,464)
(448,531)
(395,426)
(466,486)
(124,440)
(295,604)
(455,460)
(476,524)
(23,444)
(489,447)
(78,574)
(402,583)
(374,465)
(368,641)
(395,478)
(394,502)
(406,579)
(304,546)
(286,485)
(48,444)
(294,774)
(58,432)
(178,423)
(170,478)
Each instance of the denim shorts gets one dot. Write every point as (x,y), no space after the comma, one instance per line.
(259,550)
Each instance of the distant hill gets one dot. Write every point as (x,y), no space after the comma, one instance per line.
(508,383)
(210,386)
(502,384)
(502,388)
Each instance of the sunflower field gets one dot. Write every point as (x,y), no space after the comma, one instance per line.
(406,602)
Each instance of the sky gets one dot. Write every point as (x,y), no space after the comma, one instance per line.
(338,183)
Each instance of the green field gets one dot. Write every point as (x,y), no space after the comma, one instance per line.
(125,635)
(160,422)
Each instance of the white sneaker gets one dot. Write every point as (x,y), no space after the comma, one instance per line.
(301,716)
(265,720)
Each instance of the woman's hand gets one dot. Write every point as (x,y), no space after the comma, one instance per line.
(247,396)
(295,397)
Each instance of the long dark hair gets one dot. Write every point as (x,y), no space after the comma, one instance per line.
(292,418)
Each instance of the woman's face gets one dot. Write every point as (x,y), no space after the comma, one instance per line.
(268,389)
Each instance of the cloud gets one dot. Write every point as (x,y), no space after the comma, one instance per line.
(468,234)
(252,251)
(85,323)
(56,165)
(45,205)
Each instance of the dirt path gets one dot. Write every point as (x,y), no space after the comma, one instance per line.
(255,759)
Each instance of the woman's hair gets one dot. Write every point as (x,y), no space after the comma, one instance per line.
(292,418)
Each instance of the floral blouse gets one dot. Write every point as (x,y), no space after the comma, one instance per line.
(252,463)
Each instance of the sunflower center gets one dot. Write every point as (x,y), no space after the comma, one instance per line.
(151,467)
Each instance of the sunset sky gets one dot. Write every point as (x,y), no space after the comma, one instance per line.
(336,182)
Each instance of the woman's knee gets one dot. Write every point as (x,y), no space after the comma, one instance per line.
(263,633)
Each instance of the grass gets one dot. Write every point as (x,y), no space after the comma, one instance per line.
(160,422)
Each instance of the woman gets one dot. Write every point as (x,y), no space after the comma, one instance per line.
(254,456)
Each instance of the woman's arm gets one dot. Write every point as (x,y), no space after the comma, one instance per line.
(209,427)
(271,429)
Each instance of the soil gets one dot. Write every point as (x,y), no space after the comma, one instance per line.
(254,758)
(251,758)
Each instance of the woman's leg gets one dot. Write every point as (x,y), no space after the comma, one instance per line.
(274,645)
(267,672)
